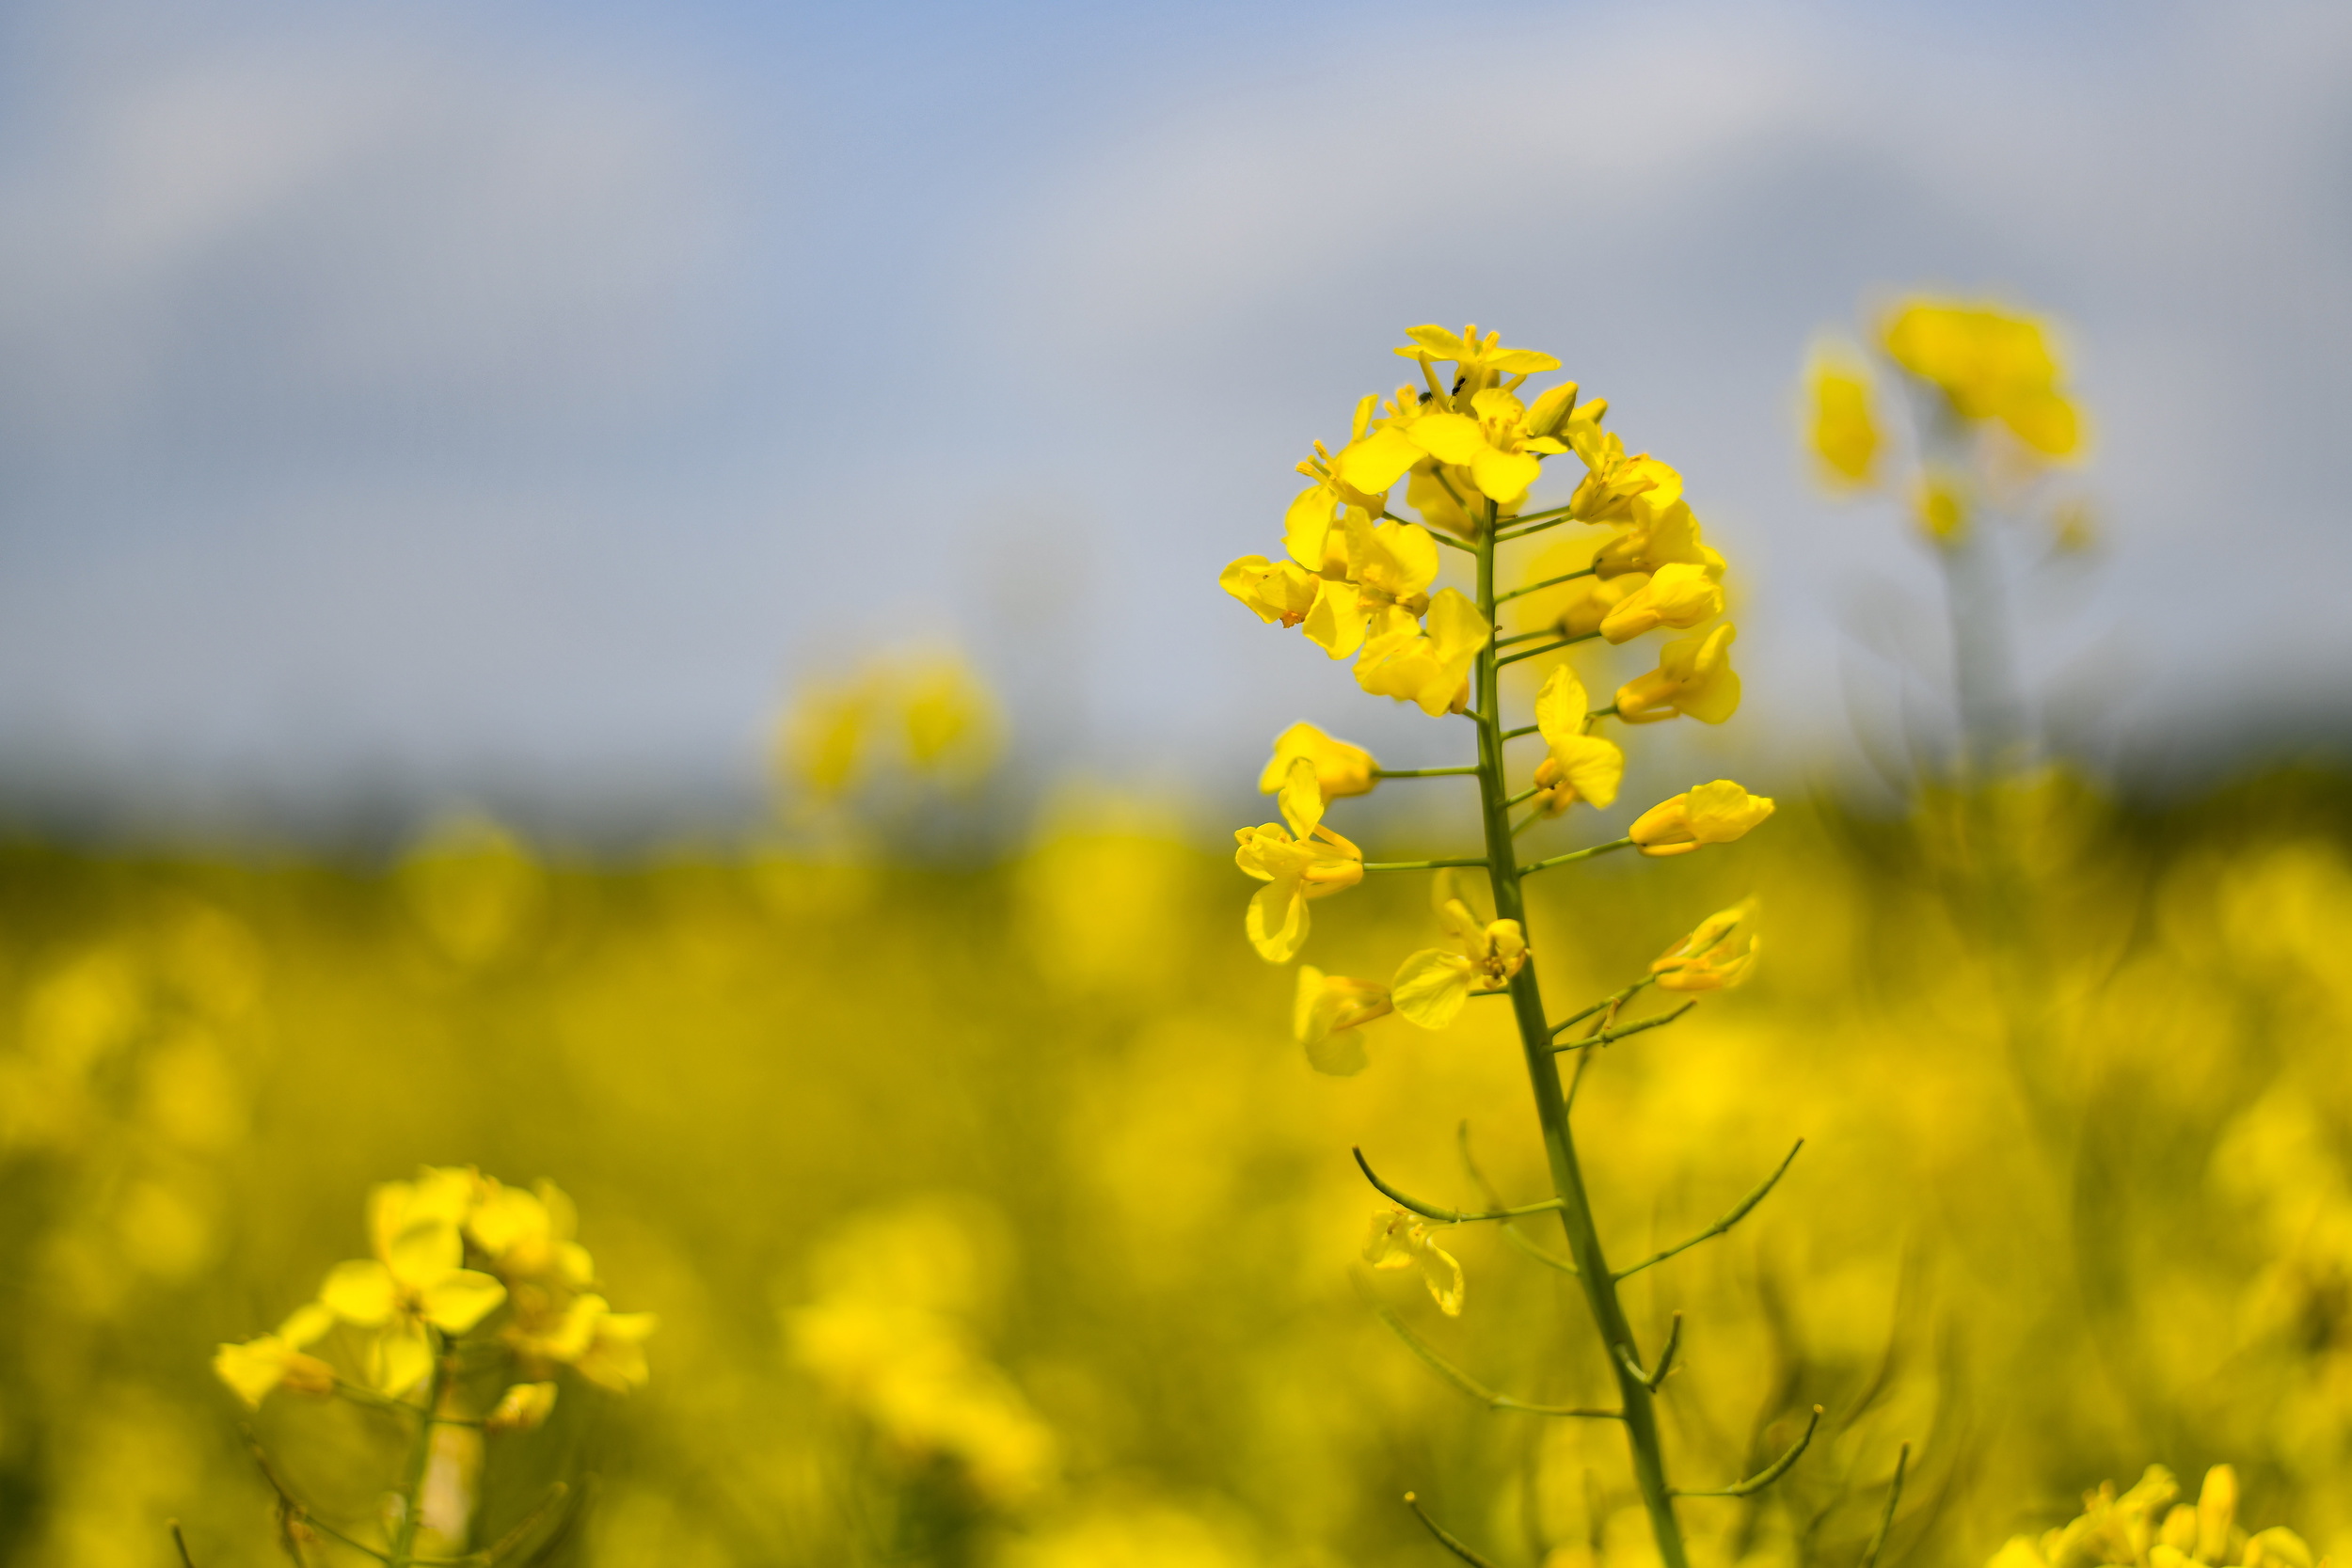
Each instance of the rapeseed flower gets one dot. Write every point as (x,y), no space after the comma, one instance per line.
(417,1283)
(1578,767)
(1840,428)
(1340,768)
(1711,814)
(1428,668)
(1388,569)
(1718,955)
(1693,677)
(1305,863)
(255,1368)
(1989,364)
(1308,522)
(1400,1239)
(1433,985)
(1325,1015)
(1679,594)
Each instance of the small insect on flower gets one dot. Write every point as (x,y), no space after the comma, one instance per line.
(1400,1239)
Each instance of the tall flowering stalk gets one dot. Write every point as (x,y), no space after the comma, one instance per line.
(1360,582)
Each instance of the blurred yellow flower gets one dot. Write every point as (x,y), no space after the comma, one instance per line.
(524,1407)
(1314,864)
(1718,955)
(2124,1529)
(1433,985)
(1711,814)
(607,1348)
(1429,668)
(417,1281)
(949,716)
(1400,1239)
(1341,770)
(1693,677)
(1843,433)
(1579,767)
(1328,1010)
(278,1360)
(1680,594)
(1939,501)
(1991,365)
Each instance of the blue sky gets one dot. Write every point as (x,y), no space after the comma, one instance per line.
(405,403)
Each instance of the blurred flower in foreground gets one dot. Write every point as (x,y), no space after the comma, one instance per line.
(440,1325)
(1401,1241)
(2148,1528)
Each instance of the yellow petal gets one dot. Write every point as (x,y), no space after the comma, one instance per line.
(1560,708)
(1306,523)
(253,1368)
(1276,921)
(1455,439)
(423,1252)
(1593,766)
(362,1291)
(1337,622)
(1504,476)
(399,1358)
(1377,462)
(305,1324)
(461,1299)
(1301,798)
(1431,987)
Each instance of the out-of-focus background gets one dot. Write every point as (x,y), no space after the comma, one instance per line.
(437,442)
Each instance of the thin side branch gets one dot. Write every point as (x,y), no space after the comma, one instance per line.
(1439,1534)
(1534,527)
(297,1518)
(1768,1475)
(1547,582)
(1424,866)
(1528,729)
(180,1542)
(1738,1214)
(1665,1358)
(1619,1000)
(1494,1200)
(1530,653)
(1444,1215)
(1424,773)
(1611,1037)
(1470,1384)
(1576,855)
(1886,1520)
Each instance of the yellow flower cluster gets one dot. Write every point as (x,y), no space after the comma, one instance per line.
(1983,367)
(891,1333)
(1359,580)
(2149,1527)
(452,1252)
(929,712)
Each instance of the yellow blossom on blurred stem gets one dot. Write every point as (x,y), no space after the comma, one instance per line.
(255,1368)
(1680,594)
(1843,433)
(1654,536)
(1400,1239)
(1429,668)
(607,1348)
(1341,770)
(1433,985)
(1711,814)
(949,718)
(1718,955)
(524,1407)
(1307,862)
(1612,480)
(1328,1010)
(1939,499)
(1991,364)
(416,1282)
(1693,677)
(1579,766)
(2124,1529)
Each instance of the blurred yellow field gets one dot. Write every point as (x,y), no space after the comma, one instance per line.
(994,1215)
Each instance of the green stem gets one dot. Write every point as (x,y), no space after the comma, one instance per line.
(1551,1112)
(1422,773)
(1424,865)
(419,1456)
